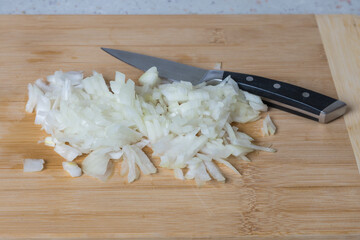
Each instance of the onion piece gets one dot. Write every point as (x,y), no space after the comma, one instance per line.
(255,102)
(135,157)
(142,143)
(198,171)
(49,141)
(34,94)
(226,163)
(150,77)
(42,85)
(116,154)
(211,167)
(72,168)
(218,66)
(66,151)
(268,128)
(96,163)
(33,165)
(108,173)
(214,171)
(178,173)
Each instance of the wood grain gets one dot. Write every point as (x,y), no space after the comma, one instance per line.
(341,38)
(309,189)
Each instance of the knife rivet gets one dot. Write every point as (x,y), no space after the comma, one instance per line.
(277,86)
(306,94)
(249,78)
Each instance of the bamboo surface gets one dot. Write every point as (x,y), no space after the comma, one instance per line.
(341,39)
(309,189)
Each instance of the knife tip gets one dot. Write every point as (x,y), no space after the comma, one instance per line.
(108,50)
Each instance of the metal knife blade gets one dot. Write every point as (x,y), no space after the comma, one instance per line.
(167,69)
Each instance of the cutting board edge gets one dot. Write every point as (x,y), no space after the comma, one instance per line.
(339,34)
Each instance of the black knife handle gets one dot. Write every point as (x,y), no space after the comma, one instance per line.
(291,98)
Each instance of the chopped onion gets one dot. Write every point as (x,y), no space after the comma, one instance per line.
(218,66)
(67,152)
(268,128)
(198,171)
(72,168)
(226,163)
(150,77)
(34,95)
(33,165)
(116,154)
(135,157)
(187,127)
(96,163)
(178,173)
(214,171)
(255,102)
(49,141)
(144,142)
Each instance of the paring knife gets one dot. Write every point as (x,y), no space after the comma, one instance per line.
(281,95)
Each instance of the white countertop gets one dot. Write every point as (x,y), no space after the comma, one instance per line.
(180,7)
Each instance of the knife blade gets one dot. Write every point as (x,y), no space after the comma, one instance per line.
(281,95)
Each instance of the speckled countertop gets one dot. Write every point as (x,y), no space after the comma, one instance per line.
(179,6)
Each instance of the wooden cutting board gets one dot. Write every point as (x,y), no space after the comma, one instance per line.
(309,189)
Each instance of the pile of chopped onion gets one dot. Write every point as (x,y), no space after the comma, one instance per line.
(188,127)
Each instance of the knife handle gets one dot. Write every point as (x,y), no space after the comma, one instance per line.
(291,98)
